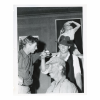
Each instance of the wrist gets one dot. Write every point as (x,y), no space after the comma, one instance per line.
(42,58)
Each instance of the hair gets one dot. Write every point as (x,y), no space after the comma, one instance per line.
(28,39)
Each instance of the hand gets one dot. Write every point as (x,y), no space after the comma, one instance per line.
(20,80)
(43,54)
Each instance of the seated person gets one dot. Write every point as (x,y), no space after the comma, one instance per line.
(57,70)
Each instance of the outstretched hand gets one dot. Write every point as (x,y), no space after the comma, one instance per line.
(44,54)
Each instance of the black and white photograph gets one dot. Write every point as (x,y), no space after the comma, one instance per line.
(50,50)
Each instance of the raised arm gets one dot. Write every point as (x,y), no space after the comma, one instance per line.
(77,26)
(43,67)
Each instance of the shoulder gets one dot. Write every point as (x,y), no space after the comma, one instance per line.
(69,87)
(67,83)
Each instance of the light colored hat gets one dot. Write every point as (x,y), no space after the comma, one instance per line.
(56,60)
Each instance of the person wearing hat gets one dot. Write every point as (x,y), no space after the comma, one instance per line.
(57,71)
(69,31)
(73,71)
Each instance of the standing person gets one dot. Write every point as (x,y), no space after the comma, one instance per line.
(69,31)
(25,68)
(73,71)
(57,71)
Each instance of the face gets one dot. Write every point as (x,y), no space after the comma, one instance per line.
(54,70)
(63,48)
(33,47)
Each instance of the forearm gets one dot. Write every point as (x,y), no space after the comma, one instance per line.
(79,80)
(20,80)
(43,68)
(77,24)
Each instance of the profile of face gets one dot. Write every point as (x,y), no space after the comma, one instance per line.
(54,71)
(63,48)
(32,47)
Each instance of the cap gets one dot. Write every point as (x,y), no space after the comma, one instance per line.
(54,60)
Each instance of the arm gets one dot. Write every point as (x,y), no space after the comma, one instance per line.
(23,66)
(59,37)
(77,71)
(77,26)
(20,80)
(77,53)
(61,33)
(44,67)
(78,80)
